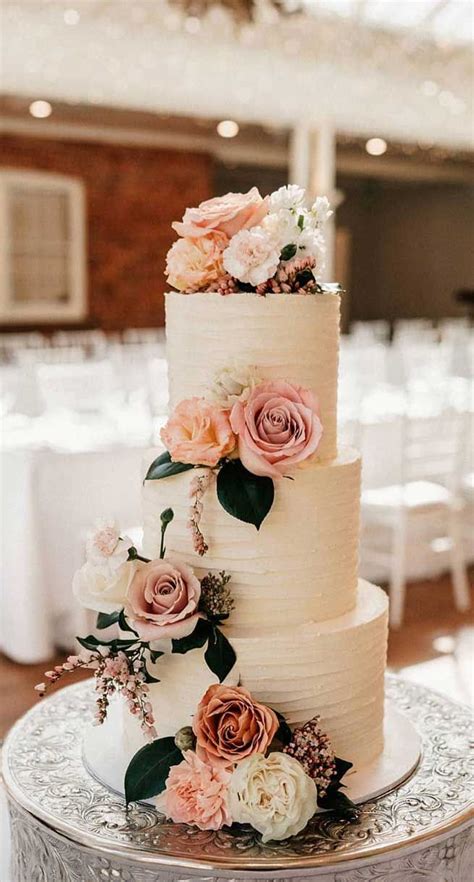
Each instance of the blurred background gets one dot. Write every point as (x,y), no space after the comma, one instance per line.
(116,116)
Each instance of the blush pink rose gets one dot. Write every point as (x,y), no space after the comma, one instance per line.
(194,264)
(198,433)
(228,214)
(162,600)
(277,428)
(196,793)
(230,725)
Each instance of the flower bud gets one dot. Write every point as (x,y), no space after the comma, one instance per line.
(167,516)
(185,738)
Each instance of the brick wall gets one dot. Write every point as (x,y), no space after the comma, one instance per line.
(133,195)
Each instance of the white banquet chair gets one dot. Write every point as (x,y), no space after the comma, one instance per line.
(424,501)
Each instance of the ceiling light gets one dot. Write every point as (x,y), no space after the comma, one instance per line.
(40,109)
(227,128)
(71,16)
(376,146)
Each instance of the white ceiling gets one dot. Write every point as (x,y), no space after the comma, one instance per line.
(398,69)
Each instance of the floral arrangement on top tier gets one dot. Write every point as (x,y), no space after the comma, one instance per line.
(249,433)
(239,761)
(243,242)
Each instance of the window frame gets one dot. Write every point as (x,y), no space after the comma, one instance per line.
(75,309)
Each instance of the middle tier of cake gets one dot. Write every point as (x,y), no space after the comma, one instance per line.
(300,566)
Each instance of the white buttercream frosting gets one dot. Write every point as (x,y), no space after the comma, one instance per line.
(334,669)
(287,337)
(302,563)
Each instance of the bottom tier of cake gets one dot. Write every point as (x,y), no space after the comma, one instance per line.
(334,669)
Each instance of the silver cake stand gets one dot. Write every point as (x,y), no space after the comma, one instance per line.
(66,827)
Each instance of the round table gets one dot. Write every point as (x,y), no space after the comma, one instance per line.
(66,827)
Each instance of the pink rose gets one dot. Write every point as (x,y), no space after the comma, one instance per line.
(194,264)
(162,600)
(228,214)
(196,793)
(230,725)
(277,427)
(199,433)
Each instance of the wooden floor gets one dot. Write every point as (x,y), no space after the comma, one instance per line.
(435,646)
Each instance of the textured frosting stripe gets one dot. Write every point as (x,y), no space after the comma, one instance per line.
(291,337)
(302,563)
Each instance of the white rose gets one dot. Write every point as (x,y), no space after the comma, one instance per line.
(273,794)
(106,550)
(103,592)
(321,210)
(251,256)
(234,384)
(287,197)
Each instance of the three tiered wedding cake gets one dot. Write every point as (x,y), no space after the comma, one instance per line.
(249,655)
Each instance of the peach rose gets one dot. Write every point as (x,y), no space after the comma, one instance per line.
(162,600)
(229,725)
(199,433)
(228,214)
(196,793)
(277,427)
(193,264)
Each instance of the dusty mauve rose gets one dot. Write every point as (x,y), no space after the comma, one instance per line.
(277,427)
(162,600)
(198,432)
(228,214)
(196,793)
(193,264)
(229,725)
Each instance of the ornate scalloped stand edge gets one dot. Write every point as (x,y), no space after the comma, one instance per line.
(67,828)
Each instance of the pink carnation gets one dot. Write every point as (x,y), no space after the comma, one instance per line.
(196,793)
(198,433)
(277,428)
(228,214)
(162,600)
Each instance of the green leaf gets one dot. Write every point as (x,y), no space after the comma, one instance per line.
(149,677)
(288,252)
(193,641)
(104,620)
(342,766)
(155,655)
(284,733)
(301,221)
(219,655)
(149,768)
(92,643)
(163,467)
(124,625)
(245,496)
(339,802)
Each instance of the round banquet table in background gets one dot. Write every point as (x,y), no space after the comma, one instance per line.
(66,827)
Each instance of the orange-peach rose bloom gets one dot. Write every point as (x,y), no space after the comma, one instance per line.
(193,264)
(228,214)
(198,433)
(229,725)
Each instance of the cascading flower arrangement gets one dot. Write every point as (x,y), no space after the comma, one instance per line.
(239,762)
(243,242)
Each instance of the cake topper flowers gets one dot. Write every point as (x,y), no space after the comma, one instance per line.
(242,242)
(249,434)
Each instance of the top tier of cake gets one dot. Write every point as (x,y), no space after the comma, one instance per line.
(295,337)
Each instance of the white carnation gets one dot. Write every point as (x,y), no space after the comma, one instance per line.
(251,256)
(287,197)
(106,551)
(321,210)
(273,794)
(282,226)
(104,593)
(232,384)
